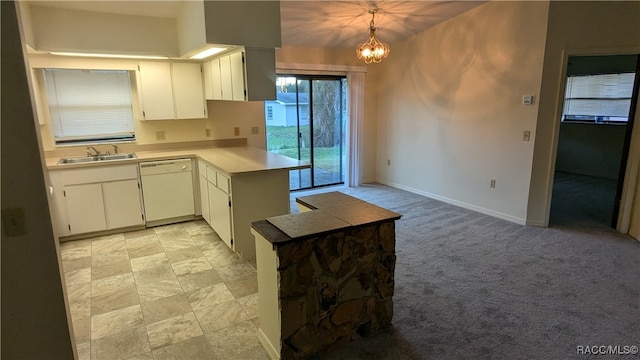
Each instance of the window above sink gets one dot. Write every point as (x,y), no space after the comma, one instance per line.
(89,106)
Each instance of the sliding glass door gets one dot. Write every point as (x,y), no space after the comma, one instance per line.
(308,122)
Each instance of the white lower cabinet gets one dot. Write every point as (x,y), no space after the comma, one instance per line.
(204,198)
(122,203)
(232,204)
(85,208)
(96,199)
(220,205)
(215,199)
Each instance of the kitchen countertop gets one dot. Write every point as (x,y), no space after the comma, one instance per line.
(230,160)
(333,211)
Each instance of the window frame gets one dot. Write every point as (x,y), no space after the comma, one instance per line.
(590,118)
(121,133)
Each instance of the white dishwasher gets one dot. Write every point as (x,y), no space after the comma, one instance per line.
(167,191)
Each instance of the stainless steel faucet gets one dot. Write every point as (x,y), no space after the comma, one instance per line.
(89,148)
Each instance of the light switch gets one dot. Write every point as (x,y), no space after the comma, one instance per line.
(526,135)
(528,100)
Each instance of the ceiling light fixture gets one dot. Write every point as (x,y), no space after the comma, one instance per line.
(372,51)
(208,52)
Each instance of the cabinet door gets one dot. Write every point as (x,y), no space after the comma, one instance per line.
(85,208)
(212,80)
(122,203)
(204,199)
(237,76)
(188,91)
(208,85)
(216,79)
(225,78)
(220,213)
(155,90)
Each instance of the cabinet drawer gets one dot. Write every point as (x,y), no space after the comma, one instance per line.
(99,174)
(202,168)
(223,182)
(211,175)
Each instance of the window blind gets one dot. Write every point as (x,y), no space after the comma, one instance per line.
(89,105)
(599,97)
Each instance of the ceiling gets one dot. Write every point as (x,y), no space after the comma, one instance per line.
(313,23)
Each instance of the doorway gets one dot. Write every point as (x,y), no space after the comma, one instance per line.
(308,122)
(593,142)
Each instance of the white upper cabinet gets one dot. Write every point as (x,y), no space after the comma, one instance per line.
(212,81)
(226,85)
(155,90)
(171,91)
(238,86)
(187,90)
(246,75)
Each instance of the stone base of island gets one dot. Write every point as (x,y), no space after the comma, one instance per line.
(325,275)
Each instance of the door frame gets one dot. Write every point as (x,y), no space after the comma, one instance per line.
(624,161)
(630,177)
(355,104)
(343,136)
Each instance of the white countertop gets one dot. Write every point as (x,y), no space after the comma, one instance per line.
(230,160)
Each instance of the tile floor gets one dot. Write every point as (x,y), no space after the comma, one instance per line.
(170,292)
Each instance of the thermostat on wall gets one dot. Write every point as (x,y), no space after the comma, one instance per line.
(527,100)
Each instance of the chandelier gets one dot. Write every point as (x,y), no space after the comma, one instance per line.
(372,51)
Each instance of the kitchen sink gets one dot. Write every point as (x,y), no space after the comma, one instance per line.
(85,159)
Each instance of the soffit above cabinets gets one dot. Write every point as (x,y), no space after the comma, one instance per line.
(169,29)
(163,9)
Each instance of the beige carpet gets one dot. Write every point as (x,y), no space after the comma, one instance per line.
(470,286)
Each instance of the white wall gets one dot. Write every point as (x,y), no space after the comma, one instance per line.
(190,26)
(450,113)
(574,28)
(94,32)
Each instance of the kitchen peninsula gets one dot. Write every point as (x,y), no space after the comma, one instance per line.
(233,187)
(325,275)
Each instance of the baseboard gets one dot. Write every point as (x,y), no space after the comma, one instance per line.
(266,344)
(538,223)
(175,220)
(461,204)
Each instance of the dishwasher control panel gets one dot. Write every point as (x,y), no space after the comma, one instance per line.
(165,166)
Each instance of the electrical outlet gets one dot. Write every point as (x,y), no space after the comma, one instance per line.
(255,130)
(160,135)
(13,222)
(526,135)
(236,131)
(207,132)
(492,184)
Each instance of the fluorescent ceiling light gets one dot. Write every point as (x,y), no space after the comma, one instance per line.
(122,56)
(208,52)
